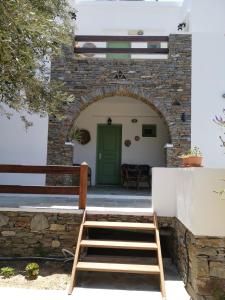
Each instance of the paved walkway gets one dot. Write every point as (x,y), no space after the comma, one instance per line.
(109,286)
(174,292)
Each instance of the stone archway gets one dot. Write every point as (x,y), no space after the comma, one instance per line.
(59,153)
(164,84)
(132,92)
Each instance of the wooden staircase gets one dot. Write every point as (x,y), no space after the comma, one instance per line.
(119,267)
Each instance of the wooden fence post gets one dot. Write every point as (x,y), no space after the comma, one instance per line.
(83,185)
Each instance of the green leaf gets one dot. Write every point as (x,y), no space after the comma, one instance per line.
(28,30)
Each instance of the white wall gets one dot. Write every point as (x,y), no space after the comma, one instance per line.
(208,86)
(208,77)
(18,146)
(111,17)
(127,18)
(207,16)
(164,192)
(121,110)
(189,194)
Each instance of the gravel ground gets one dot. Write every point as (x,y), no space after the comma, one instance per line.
(53,276)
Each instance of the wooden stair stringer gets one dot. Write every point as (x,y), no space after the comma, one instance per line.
(76,256)
(159,257)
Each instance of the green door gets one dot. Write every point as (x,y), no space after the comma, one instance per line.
(108,154)
(118,45)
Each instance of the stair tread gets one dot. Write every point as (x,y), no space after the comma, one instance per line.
(119,225)
(119,244)
(120,268)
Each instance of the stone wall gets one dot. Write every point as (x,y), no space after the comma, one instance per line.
(164,84)
(200,260)
(31,233)
(201,263)
(40,233)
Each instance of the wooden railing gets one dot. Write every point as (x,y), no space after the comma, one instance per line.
(107,38)
(80,190)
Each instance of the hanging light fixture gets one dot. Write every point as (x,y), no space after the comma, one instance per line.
(183,117)
(109,121)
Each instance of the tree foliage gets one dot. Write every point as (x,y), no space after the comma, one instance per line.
(31,33)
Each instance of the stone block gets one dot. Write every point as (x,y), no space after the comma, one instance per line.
(8,233)
(56,244)
(217,269)
(57,227)
(3,220)
(202,267)
(39,222)
(207,251)
(210,242)
(203,287)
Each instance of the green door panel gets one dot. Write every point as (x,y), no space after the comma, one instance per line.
(118,45)
(108,154)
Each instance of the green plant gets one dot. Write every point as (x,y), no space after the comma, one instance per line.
(75,135)
(7,272)
(32,270)
(192,152)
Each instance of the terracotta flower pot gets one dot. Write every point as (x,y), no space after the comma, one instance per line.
(192,161)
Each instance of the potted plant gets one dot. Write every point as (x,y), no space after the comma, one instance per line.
(193,158)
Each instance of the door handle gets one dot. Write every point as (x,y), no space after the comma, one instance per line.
(99,156)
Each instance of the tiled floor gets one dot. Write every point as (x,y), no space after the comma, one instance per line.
(98,198)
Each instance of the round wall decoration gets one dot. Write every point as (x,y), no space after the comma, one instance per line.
(84,136)
(127,143)
(89,45)
(137,138)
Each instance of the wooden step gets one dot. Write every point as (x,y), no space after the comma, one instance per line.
(119,225)
(118,245)
(120,268)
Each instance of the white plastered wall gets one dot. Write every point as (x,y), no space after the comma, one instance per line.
(208,78)
(118,17)
(21,146)
(190,195)
(208,86)
(207,16)
(129,18)
(121,110)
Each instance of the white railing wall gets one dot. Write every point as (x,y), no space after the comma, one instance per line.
(190,195)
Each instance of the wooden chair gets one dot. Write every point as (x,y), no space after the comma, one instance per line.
(135,173)
(145,175)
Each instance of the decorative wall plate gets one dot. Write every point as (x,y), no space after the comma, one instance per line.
(137,138)
(84,136)
(89,45)
(127,143)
